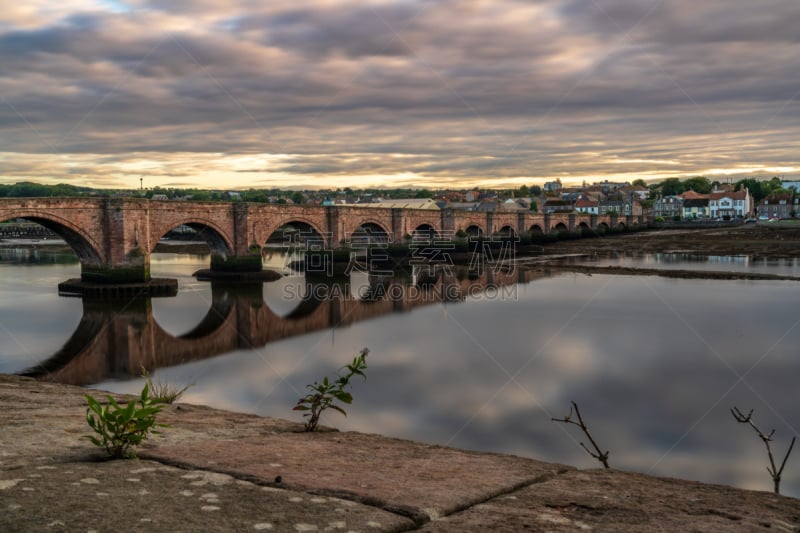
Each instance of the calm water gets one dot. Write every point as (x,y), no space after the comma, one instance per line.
(722,263)
(655,364)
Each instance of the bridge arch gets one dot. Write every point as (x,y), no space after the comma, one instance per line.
(88,250)
(506,231)
(275,233)
(585,230)
(560,228)
(370,232)
(475,231)
(536,230)
(218,241)
(621,226)
(602,228)
(425,231)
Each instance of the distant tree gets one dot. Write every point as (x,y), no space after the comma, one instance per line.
(297,197)
(698,184)
(752,185)
(639,183)
(535,206)
(254,195)
(523,191)
(672,187)
(423,193)
(535,190)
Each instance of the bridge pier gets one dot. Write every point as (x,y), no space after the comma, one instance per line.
(137,270)
(237,263)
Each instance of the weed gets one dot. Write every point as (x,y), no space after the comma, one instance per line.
(767,438)
(597,453)
(324,395)
(119,428)
(163,392)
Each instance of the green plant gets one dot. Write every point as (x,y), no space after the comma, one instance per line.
(118,428)
(163,392)
(324,395)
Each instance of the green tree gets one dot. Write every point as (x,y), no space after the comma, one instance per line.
(535,190)
(672,187)
(752,185)
(423,193)
(297,197)
(534,206)
(639,183)
(698,184)
(523,192)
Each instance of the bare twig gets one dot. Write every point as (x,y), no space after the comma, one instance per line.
(773,471)
(597,453)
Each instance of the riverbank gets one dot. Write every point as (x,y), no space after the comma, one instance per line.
(216,470)
(756,241)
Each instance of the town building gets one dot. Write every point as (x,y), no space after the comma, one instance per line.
(619,207)
(730,204)
(552,186)
(668,207)
(588,206)
(696,208)
(778,205)
(558,206)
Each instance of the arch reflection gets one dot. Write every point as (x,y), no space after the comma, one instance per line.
(117,339)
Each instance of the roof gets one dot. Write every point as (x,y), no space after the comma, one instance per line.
(583,202)
(558,203)
(407,203)
(691,195)
(738,195)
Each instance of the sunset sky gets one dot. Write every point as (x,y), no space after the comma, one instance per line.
(447,93)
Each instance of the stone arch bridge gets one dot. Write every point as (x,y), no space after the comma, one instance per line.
(114,237)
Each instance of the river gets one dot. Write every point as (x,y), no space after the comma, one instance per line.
(655,364)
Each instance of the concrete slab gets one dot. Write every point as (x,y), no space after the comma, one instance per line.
(148,496)
(53,479)
(609,500)
(416,480)
(44,423)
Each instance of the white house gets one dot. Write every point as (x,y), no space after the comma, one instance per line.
(731,204)
(585,205)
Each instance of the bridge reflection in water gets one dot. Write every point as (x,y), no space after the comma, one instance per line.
(118,339)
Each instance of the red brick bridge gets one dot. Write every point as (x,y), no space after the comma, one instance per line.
(114,237)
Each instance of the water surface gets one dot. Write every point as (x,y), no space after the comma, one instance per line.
(655,364)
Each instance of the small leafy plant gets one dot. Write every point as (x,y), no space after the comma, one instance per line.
(119,428)
(324,395)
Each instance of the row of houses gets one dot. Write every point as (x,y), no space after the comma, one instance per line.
(694,206)
(728,204)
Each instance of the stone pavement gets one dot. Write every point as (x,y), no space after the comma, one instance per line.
(220,471)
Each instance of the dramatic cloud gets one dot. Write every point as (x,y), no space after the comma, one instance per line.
(450,92)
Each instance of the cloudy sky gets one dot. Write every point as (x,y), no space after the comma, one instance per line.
(321,93)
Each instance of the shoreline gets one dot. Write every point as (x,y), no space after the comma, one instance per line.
(665,273)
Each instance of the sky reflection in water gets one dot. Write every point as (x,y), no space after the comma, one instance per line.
(654,364)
